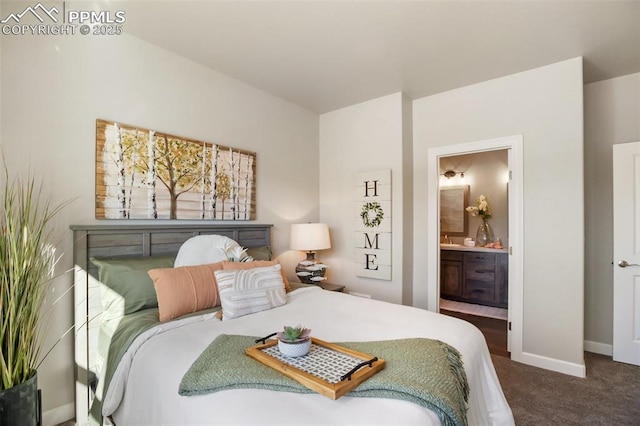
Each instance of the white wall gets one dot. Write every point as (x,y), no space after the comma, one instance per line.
(545,106)
(407,201)
(54,88)
(363,137)
(612,116)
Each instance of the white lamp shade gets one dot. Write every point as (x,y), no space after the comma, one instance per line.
(310,237)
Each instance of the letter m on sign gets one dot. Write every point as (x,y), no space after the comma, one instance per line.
(368,243)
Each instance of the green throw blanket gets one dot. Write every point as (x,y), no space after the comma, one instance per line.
(423,371)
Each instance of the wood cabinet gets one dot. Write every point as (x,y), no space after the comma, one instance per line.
(474,277)
(451,274)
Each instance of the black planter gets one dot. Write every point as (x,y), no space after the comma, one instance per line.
(20,405)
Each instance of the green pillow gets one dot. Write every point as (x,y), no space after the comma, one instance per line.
(125,285)
(260,253)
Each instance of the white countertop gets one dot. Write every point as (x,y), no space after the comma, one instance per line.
(465,248)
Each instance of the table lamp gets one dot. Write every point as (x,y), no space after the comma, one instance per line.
(310,237)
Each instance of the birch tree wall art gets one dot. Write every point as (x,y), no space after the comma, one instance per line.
(145,174)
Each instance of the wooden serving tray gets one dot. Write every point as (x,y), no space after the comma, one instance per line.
(323,369)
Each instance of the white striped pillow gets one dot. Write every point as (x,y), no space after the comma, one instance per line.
(247,291)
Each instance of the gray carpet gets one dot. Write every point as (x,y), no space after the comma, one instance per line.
(610,395)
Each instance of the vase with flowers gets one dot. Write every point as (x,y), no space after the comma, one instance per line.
(482,209)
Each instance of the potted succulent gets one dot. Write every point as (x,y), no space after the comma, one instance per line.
(27,262)
(294,341)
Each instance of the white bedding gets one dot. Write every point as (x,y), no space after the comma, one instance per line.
(147,392)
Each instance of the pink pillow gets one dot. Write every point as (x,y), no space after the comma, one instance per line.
(230,266)
(185,289)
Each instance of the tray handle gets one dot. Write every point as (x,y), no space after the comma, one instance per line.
(263,340)
(358,367)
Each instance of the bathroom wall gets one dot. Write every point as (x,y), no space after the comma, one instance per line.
(486,174)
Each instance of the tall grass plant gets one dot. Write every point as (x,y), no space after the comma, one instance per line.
(27,264)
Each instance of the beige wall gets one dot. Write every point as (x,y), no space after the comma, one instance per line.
(545,106)
(612,116)
(364,137)
(54,88)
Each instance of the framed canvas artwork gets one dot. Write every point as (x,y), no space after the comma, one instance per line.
(145,174)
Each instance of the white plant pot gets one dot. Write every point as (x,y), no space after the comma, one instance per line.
(294,349)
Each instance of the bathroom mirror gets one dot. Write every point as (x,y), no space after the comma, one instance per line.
(453,216)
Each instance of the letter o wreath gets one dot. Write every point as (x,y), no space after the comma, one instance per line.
(372,214)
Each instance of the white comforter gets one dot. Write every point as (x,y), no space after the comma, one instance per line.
(144,390)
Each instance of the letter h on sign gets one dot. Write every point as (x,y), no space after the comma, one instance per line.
(371,186)
(373,224)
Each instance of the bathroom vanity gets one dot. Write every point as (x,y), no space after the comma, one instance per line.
(474,275)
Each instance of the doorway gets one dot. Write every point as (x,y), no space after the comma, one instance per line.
(474,263)
(513,146)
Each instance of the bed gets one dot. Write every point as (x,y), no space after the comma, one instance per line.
(144,387)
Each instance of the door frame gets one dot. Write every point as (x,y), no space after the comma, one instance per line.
(514,145)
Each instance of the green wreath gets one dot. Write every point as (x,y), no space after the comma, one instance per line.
(368,208)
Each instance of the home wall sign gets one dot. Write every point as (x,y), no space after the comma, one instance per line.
(373,224)
(145,174)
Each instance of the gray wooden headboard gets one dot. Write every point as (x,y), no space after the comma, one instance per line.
(113,241)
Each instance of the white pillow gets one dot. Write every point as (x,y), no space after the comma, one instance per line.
(247,291)
(204,249)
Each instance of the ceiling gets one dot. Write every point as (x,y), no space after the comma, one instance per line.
(324,55)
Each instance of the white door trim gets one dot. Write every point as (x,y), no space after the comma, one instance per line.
(516,226)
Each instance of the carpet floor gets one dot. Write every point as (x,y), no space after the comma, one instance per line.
(609,395)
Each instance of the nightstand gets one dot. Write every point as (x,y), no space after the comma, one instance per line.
(332,287)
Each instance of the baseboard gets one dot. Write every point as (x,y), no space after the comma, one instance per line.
(570,368)
(58,415)
(598,348)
